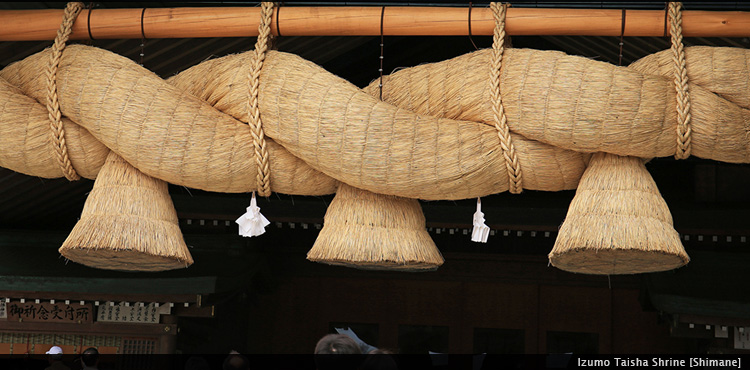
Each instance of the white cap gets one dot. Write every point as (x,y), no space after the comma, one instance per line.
(55,350)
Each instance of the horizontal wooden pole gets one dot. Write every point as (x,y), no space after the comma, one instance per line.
(29,25)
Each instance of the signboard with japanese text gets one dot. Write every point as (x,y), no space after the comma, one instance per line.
(50,312)
(139,314)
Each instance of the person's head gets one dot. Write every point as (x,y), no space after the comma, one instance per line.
(337,351)
(337,344)
(90,356)
(235,361)
(55,353)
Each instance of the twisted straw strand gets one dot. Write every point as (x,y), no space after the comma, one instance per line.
(684,129)
(515,175)
(263,179)
(53,104)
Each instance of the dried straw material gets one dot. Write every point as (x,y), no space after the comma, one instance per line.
(617,223)
(680,82)
(263,178)
(371,231)
(27,146)
(515,174)
(128,223)
(183,133)
(584,105)
(165,132)
(355,138)
(549,168)
(720,70)
(326,122)
(53,106)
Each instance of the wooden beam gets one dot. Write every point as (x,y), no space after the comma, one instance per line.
(30,25)
(102,297)
(97,328)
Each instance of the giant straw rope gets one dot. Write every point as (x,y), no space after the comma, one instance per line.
(192,129)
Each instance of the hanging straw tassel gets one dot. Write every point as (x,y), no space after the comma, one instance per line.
(375,232)
(128,223)
(617,223)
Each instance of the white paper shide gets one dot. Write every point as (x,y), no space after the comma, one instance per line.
(480,232)
(252,223)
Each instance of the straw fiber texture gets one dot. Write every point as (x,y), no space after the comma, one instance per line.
(432,136)
(549,168)
(590,106)
(57,128)
(27,146)
(375,232)
(355,138)
(722,71)
(127,223)
(322,129)
(617,223)
(163,131)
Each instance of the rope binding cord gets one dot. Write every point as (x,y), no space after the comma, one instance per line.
(53,104)
(278,11)
(263,178)
(143,38)
(88,20)
(252,222)
(515,175)
(480,230)
(470,35)
(684,129)
(380,70)
(622,37)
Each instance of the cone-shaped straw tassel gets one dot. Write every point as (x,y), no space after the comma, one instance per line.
(128,223)
(375,232)
(617,223)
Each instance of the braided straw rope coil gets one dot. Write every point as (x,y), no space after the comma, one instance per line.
(330,127)
(588,106)
(720,70)
(163,131)
(27,146)
(434,136)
